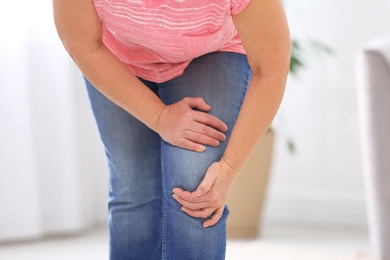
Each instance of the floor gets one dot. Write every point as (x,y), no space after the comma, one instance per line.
(275,243)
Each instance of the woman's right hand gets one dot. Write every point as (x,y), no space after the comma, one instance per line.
(184,124)
(181,125)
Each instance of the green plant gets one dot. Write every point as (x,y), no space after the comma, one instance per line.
(296,63)
(298,49)
(295,60)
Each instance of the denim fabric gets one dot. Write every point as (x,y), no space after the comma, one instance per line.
(145,222)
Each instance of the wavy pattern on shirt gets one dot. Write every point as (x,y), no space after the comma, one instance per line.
(156,39)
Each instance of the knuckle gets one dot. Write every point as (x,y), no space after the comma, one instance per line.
(198,136)
(199,99)
(208,130)
(187,114)
(203,130)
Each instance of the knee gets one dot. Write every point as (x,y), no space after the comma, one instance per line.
(186,169)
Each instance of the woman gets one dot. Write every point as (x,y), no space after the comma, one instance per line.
(180,101)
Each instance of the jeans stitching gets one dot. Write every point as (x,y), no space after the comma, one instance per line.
(164,227)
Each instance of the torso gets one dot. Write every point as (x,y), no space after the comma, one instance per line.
(156,39)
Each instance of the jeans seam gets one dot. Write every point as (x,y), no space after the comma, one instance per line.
(164,227)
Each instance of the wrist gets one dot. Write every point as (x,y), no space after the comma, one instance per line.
(157,117)
(228,164)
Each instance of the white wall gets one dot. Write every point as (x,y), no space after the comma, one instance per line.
(52,166)
(321,184)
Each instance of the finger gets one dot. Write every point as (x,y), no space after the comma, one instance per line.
(207,182)
(202,213)
(186,195)
(191,205)
(210,120)
(208,131)
(214,219)
(200,138)
(197,103)
(178,190)
(188,144)
(190,196)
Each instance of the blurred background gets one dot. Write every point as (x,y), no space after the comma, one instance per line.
(53,174)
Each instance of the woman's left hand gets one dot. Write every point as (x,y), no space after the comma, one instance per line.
(210,196)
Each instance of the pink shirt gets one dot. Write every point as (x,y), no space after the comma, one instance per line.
(157,39)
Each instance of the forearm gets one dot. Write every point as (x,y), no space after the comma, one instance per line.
(80,31)
(263,30)
(109,75)
(259,108)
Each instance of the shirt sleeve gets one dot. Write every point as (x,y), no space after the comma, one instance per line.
(236,6)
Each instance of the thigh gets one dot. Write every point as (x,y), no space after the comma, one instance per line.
(222,80)
(132,149)
(135,188)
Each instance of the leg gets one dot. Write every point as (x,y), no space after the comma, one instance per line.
(221,79)
(135,189)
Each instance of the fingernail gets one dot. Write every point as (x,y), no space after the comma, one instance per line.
(174,196)
(202,148)
(199,193)
(205,226)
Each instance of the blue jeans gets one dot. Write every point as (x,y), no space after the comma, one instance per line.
(145,222)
